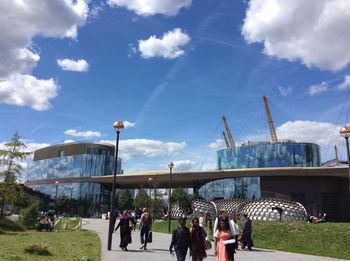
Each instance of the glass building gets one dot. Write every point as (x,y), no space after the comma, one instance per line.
(73,161)
(259,155)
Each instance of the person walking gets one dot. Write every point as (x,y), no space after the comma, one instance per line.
(145,227)
(125,230)
(198,236)
(223,215)
(181,240)
(222,235)
(247,233)
(208,224)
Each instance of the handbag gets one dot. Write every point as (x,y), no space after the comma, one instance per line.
(149,238)
(207,244)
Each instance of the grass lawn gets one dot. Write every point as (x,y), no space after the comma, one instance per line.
(63,245)
(326,239)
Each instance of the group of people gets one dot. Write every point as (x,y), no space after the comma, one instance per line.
(226,234)
(45,221)
(321,218)
(127,223)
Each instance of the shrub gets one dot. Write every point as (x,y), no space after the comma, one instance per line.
(30,215)
(38,249)
(9,225)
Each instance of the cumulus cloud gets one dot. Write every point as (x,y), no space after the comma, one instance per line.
(316,89)
(73,65)
(285,91)
(151,7)
(26,90)
(83,134)
(345,84)
(183,165)
(134,148)
(128,124)
(20,22)
(218,144)
(313,32)
(209,167)
(68,141)
(168,46)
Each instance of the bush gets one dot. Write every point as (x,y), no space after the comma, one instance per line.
(9,225)
(38,249)
(30,215)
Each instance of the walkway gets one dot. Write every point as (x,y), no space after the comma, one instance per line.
(159,249)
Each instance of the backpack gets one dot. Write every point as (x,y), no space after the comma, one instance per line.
(147,220)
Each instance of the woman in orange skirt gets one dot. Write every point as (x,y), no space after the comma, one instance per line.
(222,234)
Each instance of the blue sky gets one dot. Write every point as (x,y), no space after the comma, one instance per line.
(171,69)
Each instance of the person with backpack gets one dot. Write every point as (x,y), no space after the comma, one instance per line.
(145,227)
(181,240)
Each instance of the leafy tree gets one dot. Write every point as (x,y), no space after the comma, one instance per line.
(10,157)
(141,199)
(62,204)
(125,200)
(184,200)
(30,215)
(157,204)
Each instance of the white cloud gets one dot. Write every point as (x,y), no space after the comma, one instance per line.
(71,65)
(151,7)
(26,90)
(183,165)
(68,141)
(84,134)
(285,91)
(218,144)
(345,84)
(169,46)
(313,32)
(128,124)
(209,167)
(135,148)
(316,89)
(20,22)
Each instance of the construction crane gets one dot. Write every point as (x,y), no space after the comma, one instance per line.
(270,122)
(229,135)
(225,139)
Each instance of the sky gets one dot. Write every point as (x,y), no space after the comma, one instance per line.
(170,69)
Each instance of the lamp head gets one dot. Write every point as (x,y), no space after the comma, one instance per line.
(149,179)
(345,131)
(56,182)
(171,165)
(118,125)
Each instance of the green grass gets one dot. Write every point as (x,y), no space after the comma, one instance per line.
(63,245)
(325,239)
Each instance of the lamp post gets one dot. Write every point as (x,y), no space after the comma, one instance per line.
(345,132)
(170,165)
(150,192)
(71,197)
(118,125)
(56,182)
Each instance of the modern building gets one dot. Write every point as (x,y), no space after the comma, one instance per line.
(63,168)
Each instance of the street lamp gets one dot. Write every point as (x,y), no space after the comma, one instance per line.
(150,192)
(345,132)
(170,165)
(71,197)
(56,182)
(118,125)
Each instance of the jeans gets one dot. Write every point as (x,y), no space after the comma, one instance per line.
(144,235)
(181,254)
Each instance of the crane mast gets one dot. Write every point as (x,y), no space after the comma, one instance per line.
(270,122)
(225,139)
(229,135)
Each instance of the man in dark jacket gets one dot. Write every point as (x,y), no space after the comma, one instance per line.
(247,232)
(181,240)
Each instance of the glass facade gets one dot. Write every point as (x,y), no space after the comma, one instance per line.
(89,198)
(263,155)
(270,155)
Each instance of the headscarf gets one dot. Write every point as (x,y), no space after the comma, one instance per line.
(125,214)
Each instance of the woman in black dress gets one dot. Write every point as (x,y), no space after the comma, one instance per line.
(125,230)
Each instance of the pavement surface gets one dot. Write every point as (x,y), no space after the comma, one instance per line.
(158,250)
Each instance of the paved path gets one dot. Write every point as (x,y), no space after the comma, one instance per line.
(159,249)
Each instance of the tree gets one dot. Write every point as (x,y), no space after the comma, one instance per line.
(125,200)
(184,200)
(10,157)
(141,199)
(62,204)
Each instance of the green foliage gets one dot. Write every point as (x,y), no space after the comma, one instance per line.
(157,205)
(62,204)
(38,249)
(23,199)
(10,157)
(141,199)
(9,225)
(184,200)
(30,215)
(125,200)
